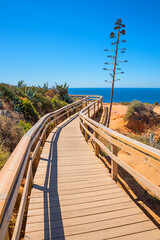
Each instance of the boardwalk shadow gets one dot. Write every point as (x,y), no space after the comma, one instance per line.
(53,224)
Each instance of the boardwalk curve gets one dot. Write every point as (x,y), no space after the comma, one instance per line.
(74,197)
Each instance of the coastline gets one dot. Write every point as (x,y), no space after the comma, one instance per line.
(145,95)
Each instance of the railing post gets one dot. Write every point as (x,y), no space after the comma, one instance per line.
(88,112)
(98,108)
(101,104)
(49,127)
(96,145)
(30,182)
(68,113)
(86,134)
(55,121)
(44,138)
(94,111)
(81,126)
(114,165)
(36,161)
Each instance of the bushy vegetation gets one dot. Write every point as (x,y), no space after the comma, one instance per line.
(138,110)
(141,119)
(62,91)
(26,105)
(57,103)
(10,132)
(33,102)
(26,126)
(4,155)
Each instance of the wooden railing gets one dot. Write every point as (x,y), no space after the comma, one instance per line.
(98,133)
(20,163)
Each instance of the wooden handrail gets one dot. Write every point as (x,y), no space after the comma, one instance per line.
(118,141)
(20,162)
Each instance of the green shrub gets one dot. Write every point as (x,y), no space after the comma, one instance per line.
(125,103)
(134,107)
(11,92)
(26,125)
(156,103)
(57,103)
(10,133)
(4,155)
(25,106)
(1,104)
(42,103)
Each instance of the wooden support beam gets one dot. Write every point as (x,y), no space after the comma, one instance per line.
(96,145)
(114,165)
(36,161)
(49,127)
(30,182)
(86,134)
(44,138)
(98,108)
(88,112)
(94,111)
(68,113)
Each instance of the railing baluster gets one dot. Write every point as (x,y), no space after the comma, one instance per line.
(86,134)
(49,127)
(88,112)
(114,165)
(96,145)
(37,157)
(68,113)
(101,104)
(98,108)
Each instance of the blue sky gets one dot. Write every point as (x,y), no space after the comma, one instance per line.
(58,41)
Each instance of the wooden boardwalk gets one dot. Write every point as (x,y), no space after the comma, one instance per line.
(74,197)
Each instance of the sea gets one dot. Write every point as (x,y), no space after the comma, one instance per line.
(146,95)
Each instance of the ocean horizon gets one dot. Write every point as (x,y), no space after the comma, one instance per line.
(145,95)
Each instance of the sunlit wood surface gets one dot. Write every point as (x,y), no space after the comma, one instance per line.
(74,197)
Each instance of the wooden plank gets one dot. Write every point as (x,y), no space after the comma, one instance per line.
(68,222)
(114,208)
(102,230)
(35,191)
(71,202)
(79,207)
(79,197)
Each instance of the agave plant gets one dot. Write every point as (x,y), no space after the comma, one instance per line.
(45,86)
(21,84)
(152,137)
(63,92)
(30,92)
